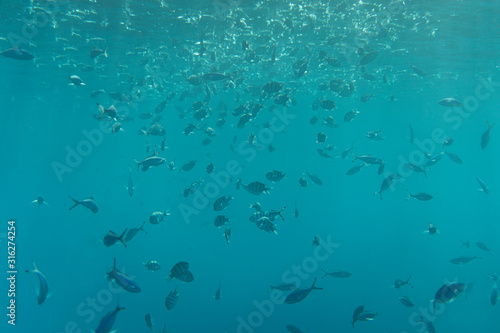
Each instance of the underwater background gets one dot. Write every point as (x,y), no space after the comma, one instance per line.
(282,62)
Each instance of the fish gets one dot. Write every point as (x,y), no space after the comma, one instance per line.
(368,159)
(107,322)
(255,187)
(400,283)
(95,52)
(454,157)
(217,293)
(483,247)
(356,313)
(272,87)
(179,271)
(337,274)
(484,188)
(275,175)
(130,186)
(87,203)
(368,58)
(222,202)
(485,138)
(387,183)
(227,235)
(431,229)
(450,102)
(299,295)
(448,293)
(349,116)
(315,179)
(367,316)
(463,260)
(152,265)
(111,112)
(327,104)
(417,70)
(320,137)
(171,300)
(428,324)
(316,241)
(346,152)
(122,280)
(416,168)
(215,77)
(221,220)
(150,162)
(494,294)
(294,329)
(40,201)
(264,223)
(284,286)
(406,301)
(422,196)
(111,238)
(158,217)
(355,169)
(75,80)
(188,165)
(43,285)
(18,54)
(133,231)
(210,168)
(412,133)
(149,322)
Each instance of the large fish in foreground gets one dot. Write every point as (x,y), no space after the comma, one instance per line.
(18,54)
(300,294)
(448,293)
(107,322)
(43,286)
(121,279)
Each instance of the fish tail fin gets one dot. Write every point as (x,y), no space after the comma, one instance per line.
(142,227)
(138,164)
(314,284)
(325,273)
(409,195)
(121,237)
(76,203)
(352,323)
(102,109)
(355,157)
(106,52)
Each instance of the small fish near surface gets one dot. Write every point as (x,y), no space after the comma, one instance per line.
(265,224)
(75,80)
(463,260)
(122,280)
(87,203)
(447,293)
(422,196)
(299,295)
(133,231)
(43,286)
(367,58)
(485,138)
(227,235)
(111,238)
(107,322)
(450,102)
(157,217)
(17,54)
(275,175)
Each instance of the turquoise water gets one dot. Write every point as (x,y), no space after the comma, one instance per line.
(54,147)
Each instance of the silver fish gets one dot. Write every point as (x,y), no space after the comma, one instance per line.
(43,286)
(300,294)
(485,138)
(107,322)
(88,203)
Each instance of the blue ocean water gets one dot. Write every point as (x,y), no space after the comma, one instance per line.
(55,147)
